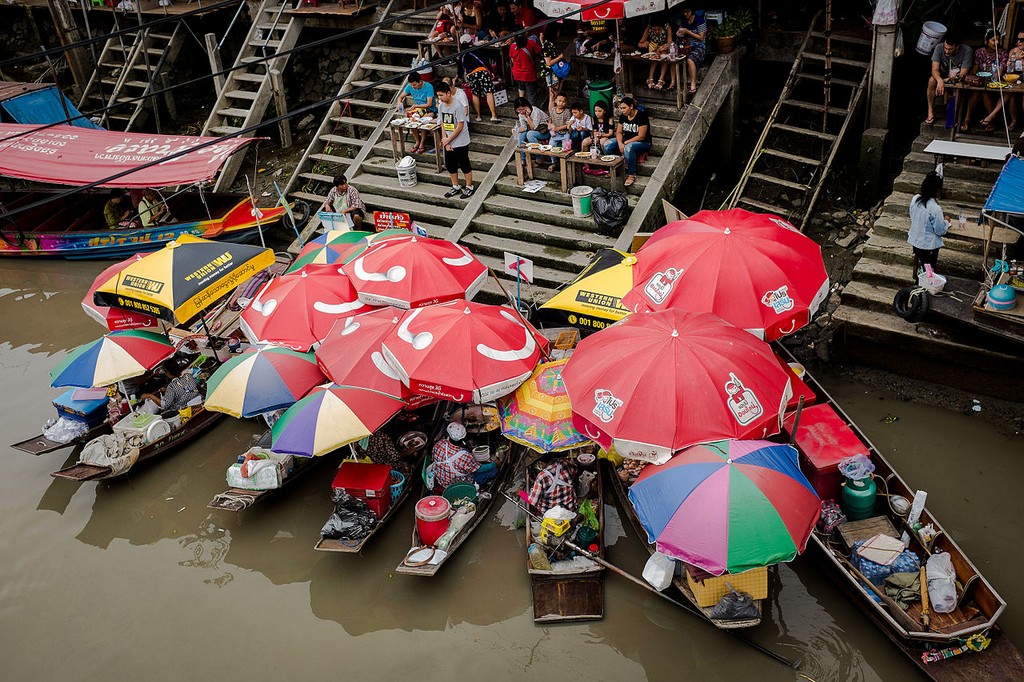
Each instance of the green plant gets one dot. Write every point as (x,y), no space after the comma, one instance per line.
(738,23)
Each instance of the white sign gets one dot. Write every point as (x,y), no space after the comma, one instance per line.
(518,265)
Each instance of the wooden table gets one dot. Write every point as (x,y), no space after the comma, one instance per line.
(961,100)
(561,154)
(616,169)
(398,131)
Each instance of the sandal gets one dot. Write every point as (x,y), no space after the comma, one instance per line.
(693,88)
(929,121)
(630,179)
(965,127)
(660,85)
(495,120)
(479,120)
(671,88)
(552,167)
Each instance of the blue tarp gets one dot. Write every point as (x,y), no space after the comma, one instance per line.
(42,107)
(1008,193)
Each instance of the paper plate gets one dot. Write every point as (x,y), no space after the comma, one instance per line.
(412,124)
(599,55)
(609,158)
(545,147)
(398,121)
(583,155)
(984,74)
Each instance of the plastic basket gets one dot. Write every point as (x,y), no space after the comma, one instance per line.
(460,491)
(933,284)
(397,483)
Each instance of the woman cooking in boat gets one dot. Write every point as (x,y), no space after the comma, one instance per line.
(454,463)
(180,391)
(554,487)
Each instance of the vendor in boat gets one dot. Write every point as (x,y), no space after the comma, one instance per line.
(180,391)
(115,211)
(554,486)
(151,209)
(454,463)
(344,198)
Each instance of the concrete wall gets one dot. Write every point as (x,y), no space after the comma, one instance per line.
(318,74)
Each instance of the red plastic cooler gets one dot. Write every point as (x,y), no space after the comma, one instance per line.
(369,482)
(824,440)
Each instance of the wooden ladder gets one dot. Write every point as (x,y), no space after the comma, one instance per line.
(799,143)
(248,89)
(109,71)
(145,72)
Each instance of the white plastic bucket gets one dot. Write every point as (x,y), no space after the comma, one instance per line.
(931,33)
(932,284)
(406,175)
(581,201)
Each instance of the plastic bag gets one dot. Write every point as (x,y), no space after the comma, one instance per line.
(856,468)
(64,430)
(658,571)
(351,520)
(941,583)
(735,605)
(611,211)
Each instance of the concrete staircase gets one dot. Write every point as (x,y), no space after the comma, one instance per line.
(868,329)
(248,89)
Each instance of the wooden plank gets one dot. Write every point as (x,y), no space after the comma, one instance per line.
(970,150)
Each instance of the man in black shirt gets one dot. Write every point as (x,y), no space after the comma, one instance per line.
(632,136)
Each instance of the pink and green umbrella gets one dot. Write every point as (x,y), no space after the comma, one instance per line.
(261,381)
(330,418)
(538,415)
(117,356)
(328,248)
(728,506)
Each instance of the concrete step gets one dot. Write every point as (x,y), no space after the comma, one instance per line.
(428,194)
(479,161)
(899,252)
(546,280)
(953,169)
(898,204)
(540,234)
(873,297)
(529,207)
(555,182)
(566,260)
(873,272)
(438,215)
(954,190)
(894,227)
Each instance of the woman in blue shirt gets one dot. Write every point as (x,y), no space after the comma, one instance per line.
(927,222)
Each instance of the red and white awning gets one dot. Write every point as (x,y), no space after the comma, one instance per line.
(612,9)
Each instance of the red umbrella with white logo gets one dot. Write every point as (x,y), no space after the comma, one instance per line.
(115,319)
(463,351)
(654,383)
(351,354)
(413,272)
(754,270)
(297,310)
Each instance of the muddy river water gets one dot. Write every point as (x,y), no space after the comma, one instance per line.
(136,579)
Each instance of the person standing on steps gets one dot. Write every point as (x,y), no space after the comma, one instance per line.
(927,222)
(455,141)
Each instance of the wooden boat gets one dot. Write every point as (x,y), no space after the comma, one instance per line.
(680,582)
(73,226)
(979,606)
(483,505)
(240,499)
(200,422)
(570,596)
(41,445)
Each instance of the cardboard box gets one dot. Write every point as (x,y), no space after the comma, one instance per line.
(710,590)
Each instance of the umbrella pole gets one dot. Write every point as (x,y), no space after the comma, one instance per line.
(632,578)
(509,297)
(209,339)
(796,420)
(256,213)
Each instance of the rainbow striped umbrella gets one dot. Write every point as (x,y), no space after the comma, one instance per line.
(355,250)
(263,380)
(330,418)
(538,415)
(327,248)
(117,356)
(728,506)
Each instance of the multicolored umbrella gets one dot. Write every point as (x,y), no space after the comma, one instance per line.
(654,383)
(351,353)
(413,272)
(182,279)
(538,414)
(117,356)
(754,270)
(357,249)
(728,506)
(463,351)
(298,310)
(114,318)
(330,418)
(328,248)
(593,300)
(262,380)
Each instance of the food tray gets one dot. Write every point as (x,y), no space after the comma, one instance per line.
(545,147)
(609,158)
(412,124)
(398,121)
(583,155)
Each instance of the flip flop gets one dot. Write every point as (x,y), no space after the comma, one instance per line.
(929,121)
(650,83)
(495,120)
(629,181)
(693,89)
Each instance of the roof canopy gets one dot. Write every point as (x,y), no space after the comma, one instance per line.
(1008,193)
(40,103)
(68,155)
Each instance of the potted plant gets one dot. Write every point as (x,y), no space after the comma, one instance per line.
(725,34)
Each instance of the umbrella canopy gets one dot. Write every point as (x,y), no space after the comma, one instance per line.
(328,248)
(412,272)
(114,318)
(538,415)
(654,383)
(355,250)
(330,418)
(754,270)
(184,278)
(117,356)
(593,300)
(609,9)
(463,351)
(728,506)
(351,354)
(262,380)
(299,309)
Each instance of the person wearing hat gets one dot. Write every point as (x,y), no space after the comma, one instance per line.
(453,462)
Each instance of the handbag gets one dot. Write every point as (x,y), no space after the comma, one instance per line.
(974,81)
(561,69)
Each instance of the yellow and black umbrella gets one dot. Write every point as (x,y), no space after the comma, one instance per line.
(593,300)
(182,279)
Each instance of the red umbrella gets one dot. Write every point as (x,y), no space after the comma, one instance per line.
(115,318)
(412,272)
(298,310)
(753,270)
(463,351)
(351,353)
(654,383)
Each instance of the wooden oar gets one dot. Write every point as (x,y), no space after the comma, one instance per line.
(632,578)
(908,623)
(925,618)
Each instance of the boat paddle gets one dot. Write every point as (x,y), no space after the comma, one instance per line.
(632,578)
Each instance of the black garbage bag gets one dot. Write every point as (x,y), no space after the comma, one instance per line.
(351,520)
(735,606)
(611,211)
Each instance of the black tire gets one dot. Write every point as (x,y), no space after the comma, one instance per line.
(12,235)
(302,212)
(911,303)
